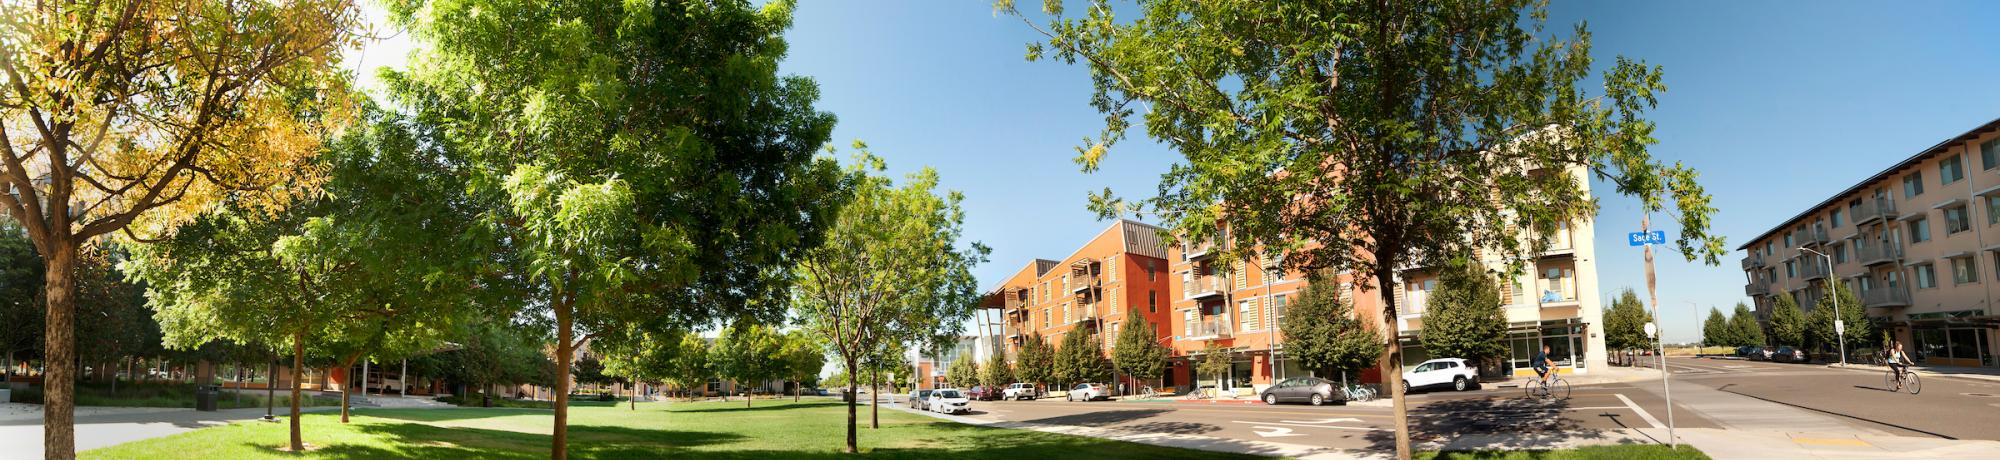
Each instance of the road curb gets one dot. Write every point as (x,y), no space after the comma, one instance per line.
(1873,369)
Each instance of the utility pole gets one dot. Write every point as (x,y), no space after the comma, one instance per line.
(1652,293)
(1839,324)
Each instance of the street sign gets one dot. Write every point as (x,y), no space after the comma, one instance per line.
(1839,326)
(1645,238)
(1651,330)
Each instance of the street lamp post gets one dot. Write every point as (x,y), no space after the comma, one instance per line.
(1839,328)
(1701,336)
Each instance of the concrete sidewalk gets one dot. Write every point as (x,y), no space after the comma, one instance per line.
(1743,444)
(109,426)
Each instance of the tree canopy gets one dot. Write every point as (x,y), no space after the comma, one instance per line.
(1743,328)
(1788,322)
(1138,353)
(1715,330)
(1464,318)
(1036,361)
(1080,359)
(1625,322)
(1322,332)
(748,354)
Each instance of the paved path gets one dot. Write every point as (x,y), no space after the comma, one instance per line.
(21,424)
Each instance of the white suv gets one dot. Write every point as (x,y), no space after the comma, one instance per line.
(1088,392)
(1020,392)
(1441,372)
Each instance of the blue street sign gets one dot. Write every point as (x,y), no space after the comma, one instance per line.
(1645,238)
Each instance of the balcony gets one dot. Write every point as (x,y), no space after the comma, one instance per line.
(1872,210)
(1753,261)
(1414,302)
(1016,298)
(1214,327)
(1556,292)
(1202,287)
(1886,297)
(1081,283)
(1811,268)
(1198,251)
(1813,237)
(1878,253)
(1756,289)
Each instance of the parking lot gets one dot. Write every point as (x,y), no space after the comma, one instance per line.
(1435,416)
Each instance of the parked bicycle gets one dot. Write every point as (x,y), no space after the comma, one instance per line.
(1359,393)
(1556,387)
(1202,393)
(1147,392)
(1907,381)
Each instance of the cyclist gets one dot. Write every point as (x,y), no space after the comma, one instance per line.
(1544,365)
(1898,362)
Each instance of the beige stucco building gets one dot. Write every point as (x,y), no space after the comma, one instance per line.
(1918,241)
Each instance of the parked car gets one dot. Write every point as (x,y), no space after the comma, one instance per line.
(1789,355)
(1020,392)
(1451,372)
(1744,351)
(1758,354)
(949,401)
(1088,392)
(919,399)
(1310,390)
(980,393)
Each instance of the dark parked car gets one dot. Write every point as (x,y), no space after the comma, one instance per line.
(1744,351)
(919,400)
(1760,354)
(1789,355)
(982,393)
(1309,390)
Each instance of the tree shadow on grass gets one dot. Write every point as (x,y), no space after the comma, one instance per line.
(770,406)
(420,441)
(441,415)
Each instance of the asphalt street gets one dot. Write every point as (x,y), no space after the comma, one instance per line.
(1946,408)
(1434,416)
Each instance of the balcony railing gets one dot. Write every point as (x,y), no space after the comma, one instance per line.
(1880,252)
(1211,328)
(1202,287)
(1812,268)
(1753,261)
(1559,292)
(1081,282)
(1813,236)
(1199,250)
(1757,288)
(1886,297)
(1871,210)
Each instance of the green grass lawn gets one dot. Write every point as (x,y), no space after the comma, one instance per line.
(769,429)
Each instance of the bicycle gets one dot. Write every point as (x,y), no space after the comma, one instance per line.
(1554,388)
(1359,393)
(1908,381)
(1202,393)
(1146,392)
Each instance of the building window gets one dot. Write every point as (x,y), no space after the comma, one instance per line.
(1920,230)
(1791,270)
(1835,218)
(1854,207)
(1152,300)
(1913,184)
(1955,220)
(1277,314)
(1989,153)
(1964,270)
(1150,271)
(1246,314)
(1996,263)
(1840,254)
(1045,317)
(1189,321)
(1926,276)
(1788,240)
(1952,169)
(1992,210)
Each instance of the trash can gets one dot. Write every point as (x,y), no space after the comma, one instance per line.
(6,395)
(204,397)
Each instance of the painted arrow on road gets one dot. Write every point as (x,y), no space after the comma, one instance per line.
(1276,432)
(1322,422)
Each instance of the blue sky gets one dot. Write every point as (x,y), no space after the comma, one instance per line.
(1777,104)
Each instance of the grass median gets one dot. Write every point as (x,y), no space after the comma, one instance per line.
(768,429)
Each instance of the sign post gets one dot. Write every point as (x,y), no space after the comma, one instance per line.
(1647,237)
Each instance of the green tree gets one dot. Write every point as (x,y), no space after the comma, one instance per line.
(804,357)
(647,160)
(129,117)
(1139,353)
(1419,130)
(489,353)
(963,372)
(637,353)
(1080,359)
(590,371)
(689,368)
(21,308)
(1322,332)
(996,374)
(1860,331)
(1464,318)
(1625,322)
(1743,327)
(1788,323)
(1716,330)
(891,271)
(1036,361)
(749,354)
(1214,362)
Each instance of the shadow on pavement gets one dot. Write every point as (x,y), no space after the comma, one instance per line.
(1496,422)
(1101,419)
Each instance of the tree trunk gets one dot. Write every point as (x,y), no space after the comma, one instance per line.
(1392,357)
(565,350)
(298,376)
(798,386)
(746,395)
(347,365)
(853,397)
(271,390)
(59,352)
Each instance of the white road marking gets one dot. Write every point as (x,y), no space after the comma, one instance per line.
(1275,432)
(1322,422)
(1355,428)
(1641,411)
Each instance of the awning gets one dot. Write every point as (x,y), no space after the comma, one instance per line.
(1948,203)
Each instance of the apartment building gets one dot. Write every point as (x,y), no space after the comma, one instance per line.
(1238,305)
(1095,289)
(1910,241)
